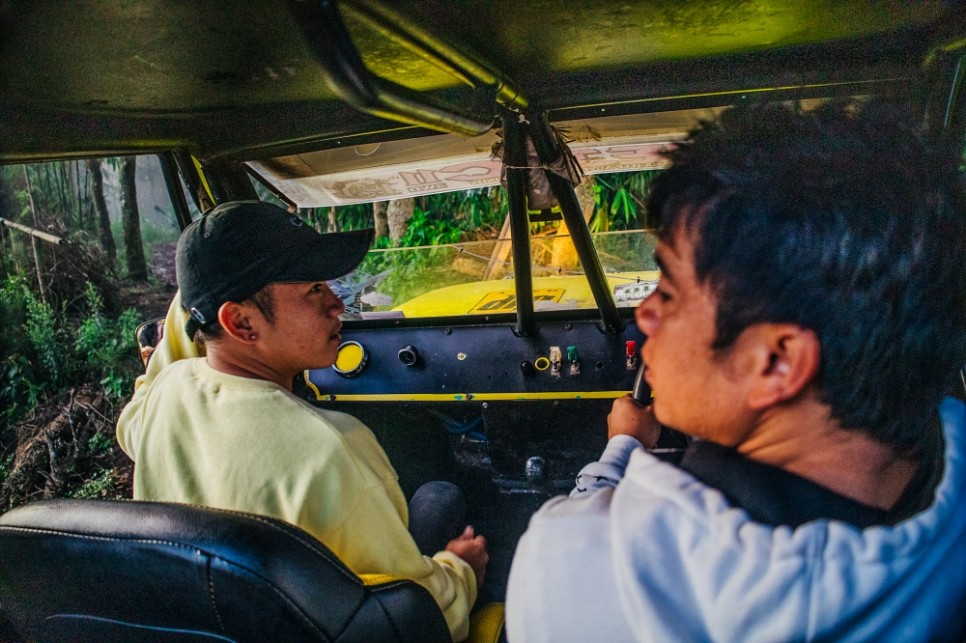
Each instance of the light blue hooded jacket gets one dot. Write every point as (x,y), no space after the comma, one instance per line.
(663,557)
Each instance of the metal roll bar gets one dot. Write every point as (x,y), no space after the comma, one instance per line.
(348,77)
(549,153)
(515,159)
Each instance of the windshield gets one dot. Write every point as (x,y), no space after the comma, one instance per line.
(476,277)
(443,245)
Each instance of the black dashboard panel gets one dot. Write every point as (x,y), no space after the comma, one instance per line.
(485,362)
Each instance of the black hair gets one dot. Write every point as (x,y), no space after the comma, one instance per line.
(262,299)
(846,220)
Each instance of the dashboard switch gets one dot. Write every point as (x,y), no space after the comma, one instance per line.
(555,359)
(574,360)
(630,349)
(408,355)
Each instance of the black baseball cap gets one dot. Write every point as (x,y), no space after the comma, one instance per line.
(235,249)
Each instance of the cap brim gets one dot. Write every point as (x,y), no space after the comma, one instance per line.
(330,256)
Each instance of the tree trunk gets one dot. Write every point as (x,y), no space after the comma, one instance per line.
(33,239)
(100,210)
(133,248)
(333,220)
(380,220)
(13,252)
(585,196)
(563,253)
(398,214)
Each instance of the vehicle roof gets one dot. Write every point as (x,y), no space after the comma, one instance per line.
(250,78)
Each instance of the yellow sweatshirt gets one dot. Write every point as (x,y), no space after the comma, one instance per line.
(204,437)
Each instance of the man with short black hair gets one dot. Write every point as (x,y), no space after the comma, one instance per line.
(810,317)
(224,429)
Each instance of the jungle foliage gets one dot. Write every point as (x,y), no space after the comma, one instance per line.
(67,354)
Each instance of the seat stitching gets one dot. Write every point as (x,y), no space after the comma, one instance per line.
(69,534)
(352,617)
(392,621)
(286,528)
(211,596)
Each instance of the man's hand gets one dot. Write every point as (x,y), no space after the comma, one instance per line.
(472,549)
(629,417)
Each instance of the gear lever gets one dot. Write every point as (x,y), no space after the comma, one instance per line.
(641,391)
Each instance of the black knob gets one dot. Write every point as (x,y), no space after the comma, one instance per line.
(408,355)
(536,470)
(527,367)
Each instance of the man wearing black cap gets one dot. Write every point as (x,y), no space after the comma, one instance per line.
(216,424)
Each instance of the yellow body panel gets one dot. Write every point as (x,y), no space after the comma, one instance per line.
(549,293)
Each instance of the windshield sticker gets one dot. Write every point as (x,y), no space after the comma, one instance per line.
(505,301)
(465,172)
(635,293)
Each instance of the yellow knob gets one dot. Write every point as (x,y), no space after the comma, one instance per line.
(351,359)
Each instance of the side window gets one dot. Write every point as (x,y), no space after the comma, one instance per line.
(114,211)
(86,255)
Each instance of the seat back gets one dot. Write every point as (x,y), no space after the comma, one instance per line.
(85,570)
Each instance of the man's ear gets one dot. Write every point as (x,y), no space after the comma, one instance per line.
(787,360)
(236,322)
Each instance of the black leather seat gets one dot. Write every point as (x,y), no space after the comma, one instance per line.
(97,570)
